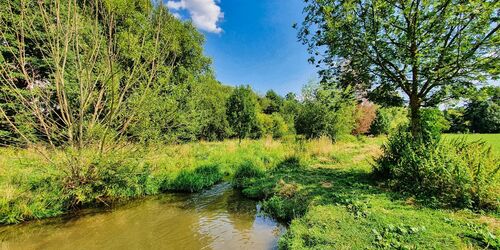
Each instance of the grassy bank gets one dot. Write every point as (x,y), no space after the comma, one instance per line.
(328,196)
(35,187)
(323,189)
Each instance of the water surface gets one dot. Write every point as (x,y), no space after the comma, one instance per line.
(215,219)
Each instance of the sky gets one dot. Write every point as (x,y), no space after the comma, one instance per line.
(251,41)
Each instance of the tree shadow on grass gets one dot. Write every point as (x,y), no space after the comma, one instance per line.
(289,189)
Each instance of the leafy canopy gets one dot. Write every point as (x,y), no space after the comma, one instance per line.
(426,49)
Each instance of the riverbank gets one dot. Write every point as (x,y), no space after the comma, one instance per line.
(36,187)
(217,218)
(331,201)
(323,190)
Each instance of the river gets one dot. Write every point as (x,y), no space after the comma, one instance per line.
(218,218)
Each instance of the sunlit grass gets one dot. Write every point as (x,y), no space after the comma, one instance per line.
(491,139)
(324,188)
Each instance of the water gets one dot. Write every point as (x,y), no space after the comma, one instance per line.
(215,219)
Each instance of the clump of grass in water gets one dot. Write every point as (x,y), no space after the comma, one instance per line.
(198,179)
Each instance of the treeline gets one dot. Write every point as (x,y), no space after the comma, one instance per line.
(479,114)
(94,72)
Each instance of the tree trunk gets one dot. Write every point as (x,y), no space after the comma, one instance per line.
(415,118)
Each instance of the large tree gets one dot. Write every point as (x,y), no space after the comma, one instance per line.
(426,49)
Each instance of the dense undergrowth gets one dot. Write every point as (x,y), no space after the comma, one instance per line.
(450,173)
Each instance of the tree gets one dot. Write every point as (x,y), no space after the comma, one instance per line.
(426,49)
(365,115)
(241,111)
(211,104)
(326,110)
(74,73)
(483,111)
(275,102)
(456,119)
(381,124)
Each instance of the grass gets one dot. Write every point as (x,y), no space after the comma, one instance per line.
(491,139)
(331,202)
(32,187)
(324,190)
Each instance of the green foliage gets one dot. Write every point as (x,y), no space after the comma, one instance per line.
(211,101)
(388,120)
(327,110)
(129,70)
(107,180)
(241,111)
(384,46)
(381,123)
(274,103)
(433,123)
(456,119)
(444,173)
(197,180)
(286,208)
(246,174)
(273,125)
(484,112)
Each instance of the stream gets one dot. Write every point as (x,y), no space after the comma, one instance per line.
(219,218)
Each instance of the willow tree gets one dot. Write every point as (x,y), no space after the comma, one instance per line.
(82,70)
(427,49)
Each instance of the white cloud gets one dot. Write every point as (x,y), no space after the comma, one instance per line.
(204,13)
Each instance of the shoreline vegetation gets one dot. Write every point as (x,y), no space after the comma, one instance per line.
(325,191)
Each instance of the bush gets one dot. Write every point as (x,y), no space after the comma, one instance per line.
(273,125)
(388,120)
(365,115)
(286,208)
(446,173)
(195,181)
(106,180)
(433,123)
(381,124)
(246,174)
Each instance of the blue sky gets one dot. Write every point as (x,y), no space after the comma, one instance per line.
(252,41)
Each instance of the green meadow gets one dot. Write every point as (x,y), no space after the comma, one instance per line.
(324,191)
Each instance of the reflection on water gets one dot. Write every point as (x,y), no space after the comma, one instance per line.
(215,219)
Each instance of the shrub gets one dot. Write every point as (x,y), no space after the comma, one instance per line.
(388,120)
(107,179)
(365,115)
(273,125)
(433,123)
(246,174)
(286,208)
(448,173)
(194,181)
(381,124)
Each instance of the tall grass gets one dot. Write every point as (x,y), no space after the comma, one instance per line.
(35,187)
